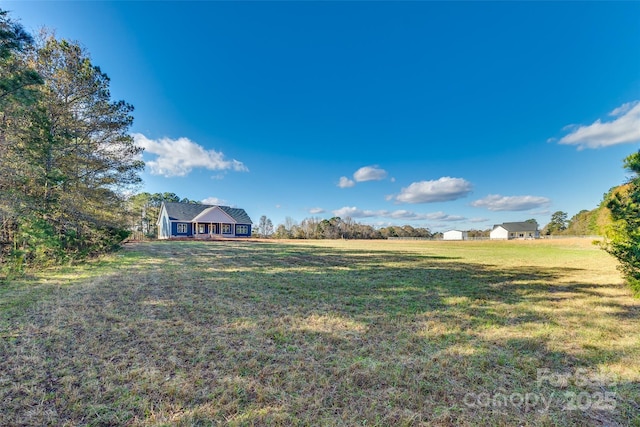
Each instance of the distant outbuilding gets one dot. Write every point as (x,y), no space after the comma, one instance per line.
(454,235)
(515,230)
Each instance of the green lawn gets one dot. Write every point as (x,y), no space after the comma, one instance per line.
(324,333)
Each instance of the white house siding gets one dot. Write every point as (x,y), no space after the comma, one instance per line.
(164,225)
(454,235)
(499,233)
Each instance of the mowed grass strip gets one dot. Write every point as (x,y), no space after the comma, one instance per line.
(324,333)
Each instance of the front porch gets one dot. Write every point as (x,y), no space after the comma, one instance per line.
(210,230)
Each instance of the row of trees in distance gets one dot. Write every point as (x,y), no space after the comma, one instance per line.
(341,228)
(583,223)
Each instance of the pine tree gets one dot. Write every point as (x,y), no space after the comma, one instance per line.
(623,236)
(67,156)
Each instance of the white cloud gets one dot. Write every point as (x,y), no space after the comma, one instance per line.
(345,182)
(496,202)
(315,211)
(369,173)
(441,216)
(366,173)
(354,212)
(624,108)
(622,130)
(474,220)
(178,157)
(214,201)
(440,190)
(400,214)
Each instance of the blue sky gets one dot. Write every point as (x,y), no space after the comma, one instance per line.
(441,115)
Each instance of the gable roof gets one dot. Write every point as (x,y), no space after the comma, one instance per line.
(517,226)
(238,214)
(188,211)
(214,214)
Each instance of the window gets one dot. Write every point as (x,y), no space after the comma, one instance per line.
(226,228)
(182,228)
(201,228)
(242,229)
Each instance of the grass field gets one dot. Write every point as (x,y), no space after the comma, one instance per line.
(324,333)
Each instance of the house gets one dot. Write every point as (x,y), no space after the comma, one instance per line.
(454,235)
(202,221)
(515,230)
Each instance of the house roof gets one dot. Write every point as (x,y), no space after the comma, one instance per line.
(188,211)
(518,226)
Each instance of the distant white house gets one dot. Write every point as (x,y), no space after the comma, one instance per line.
(515,230)
(454,235)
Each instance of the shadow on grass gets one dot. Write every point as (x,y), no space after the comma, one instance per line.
(247,333)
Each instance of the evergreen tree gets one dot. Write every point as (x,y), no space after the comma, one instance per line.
(16,79)
(67,155)
(18,92)
(557,224)
(79,145)
(623,236)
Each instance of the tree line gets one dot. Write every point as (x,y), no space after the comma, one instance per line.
(337,228)
(585,223)
(66,156)
(617,219)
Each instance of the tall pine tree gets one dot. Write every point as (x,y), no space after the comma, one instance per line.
(84,154)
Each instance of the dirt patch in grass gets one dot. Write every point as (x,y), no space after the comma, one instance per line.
(326,333)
